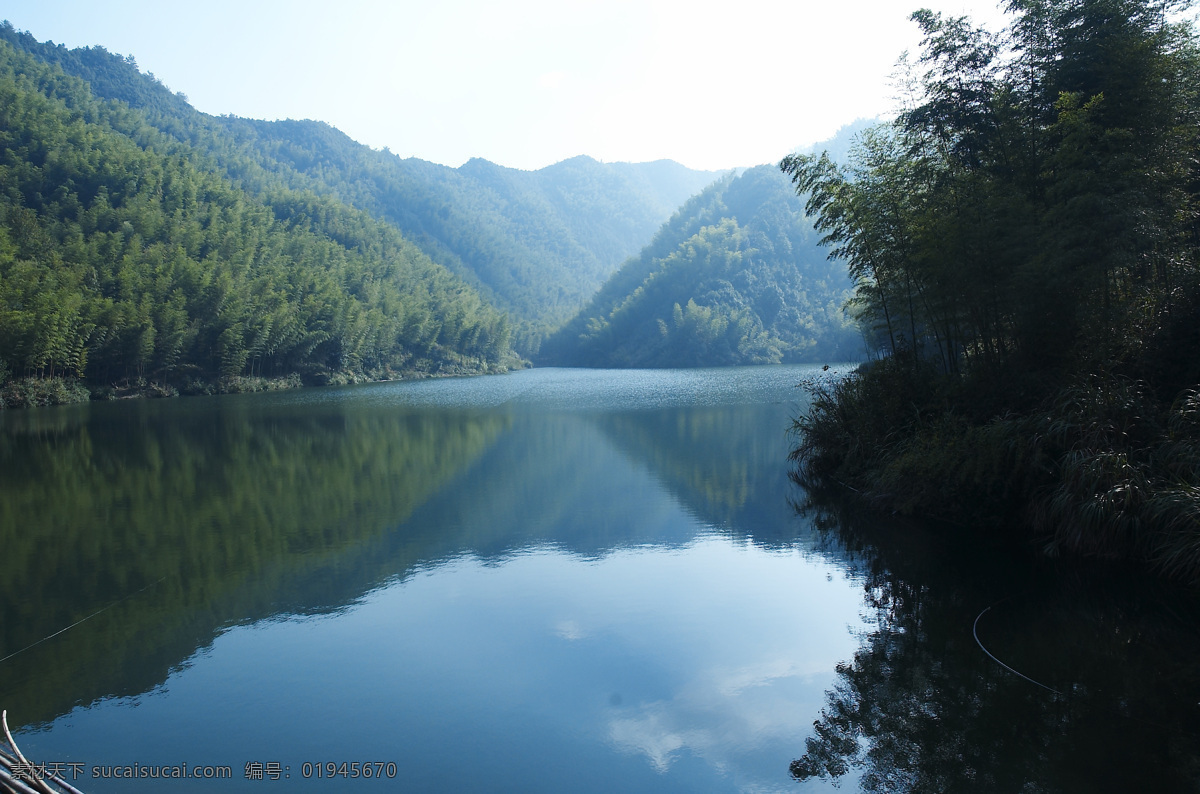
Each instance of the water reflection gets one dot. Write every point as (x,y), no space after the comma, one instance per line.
(721,463)
(547,581)
(210,513)
(921,707)
(587,597)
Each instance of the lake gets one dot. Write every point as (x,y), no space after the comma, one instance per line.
(550,580)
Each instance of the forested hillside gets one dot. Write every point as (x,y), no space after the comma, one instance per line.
(737,276)
(127,254)
(535,244)
(1024,244)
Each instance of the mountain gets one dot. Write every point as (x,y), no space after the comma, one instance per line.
(537,244)
(737,276)
(127,252)
(534,244)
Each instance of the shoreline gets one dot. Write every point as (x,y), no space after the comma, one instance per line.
(34,392)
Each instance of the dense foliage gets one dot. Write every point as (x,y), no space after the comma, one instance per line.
(735,277)
(125,254)
(1023,241)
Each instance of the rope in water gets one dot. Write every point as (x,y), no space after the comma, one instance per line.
(81,620)
(975,631)
(1115,712)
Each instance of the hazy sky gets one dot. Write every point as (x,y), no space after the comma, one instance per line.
(524,83)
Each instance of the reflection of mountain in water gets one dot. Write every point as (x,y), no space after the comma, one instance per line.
(922,708)
(222,512)
(590,483)
(726,465)
(556,480)
(240,509)
(206,513)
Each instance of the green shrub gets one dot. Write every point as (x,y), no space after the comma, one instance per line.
(31,392)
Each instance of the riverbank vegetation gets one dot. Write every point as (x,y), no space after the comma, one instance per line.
(1023,241)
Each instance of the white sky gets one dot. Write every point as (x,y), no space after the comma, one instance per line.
(524,83)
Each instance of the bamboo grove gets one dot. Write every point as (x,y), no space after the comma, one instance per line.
(1023,242)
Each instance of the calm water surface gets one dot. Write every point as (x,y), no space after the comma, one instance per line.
(553,580)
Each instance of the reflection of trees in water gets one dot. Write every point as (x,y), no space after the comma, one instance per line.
(921,708)
(223,515)
(233,513)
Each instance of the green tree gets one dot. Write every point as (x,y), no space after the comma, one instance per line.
(1025,235)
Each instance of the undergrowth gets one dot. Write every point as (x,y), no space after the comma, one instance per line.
(1103,467)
